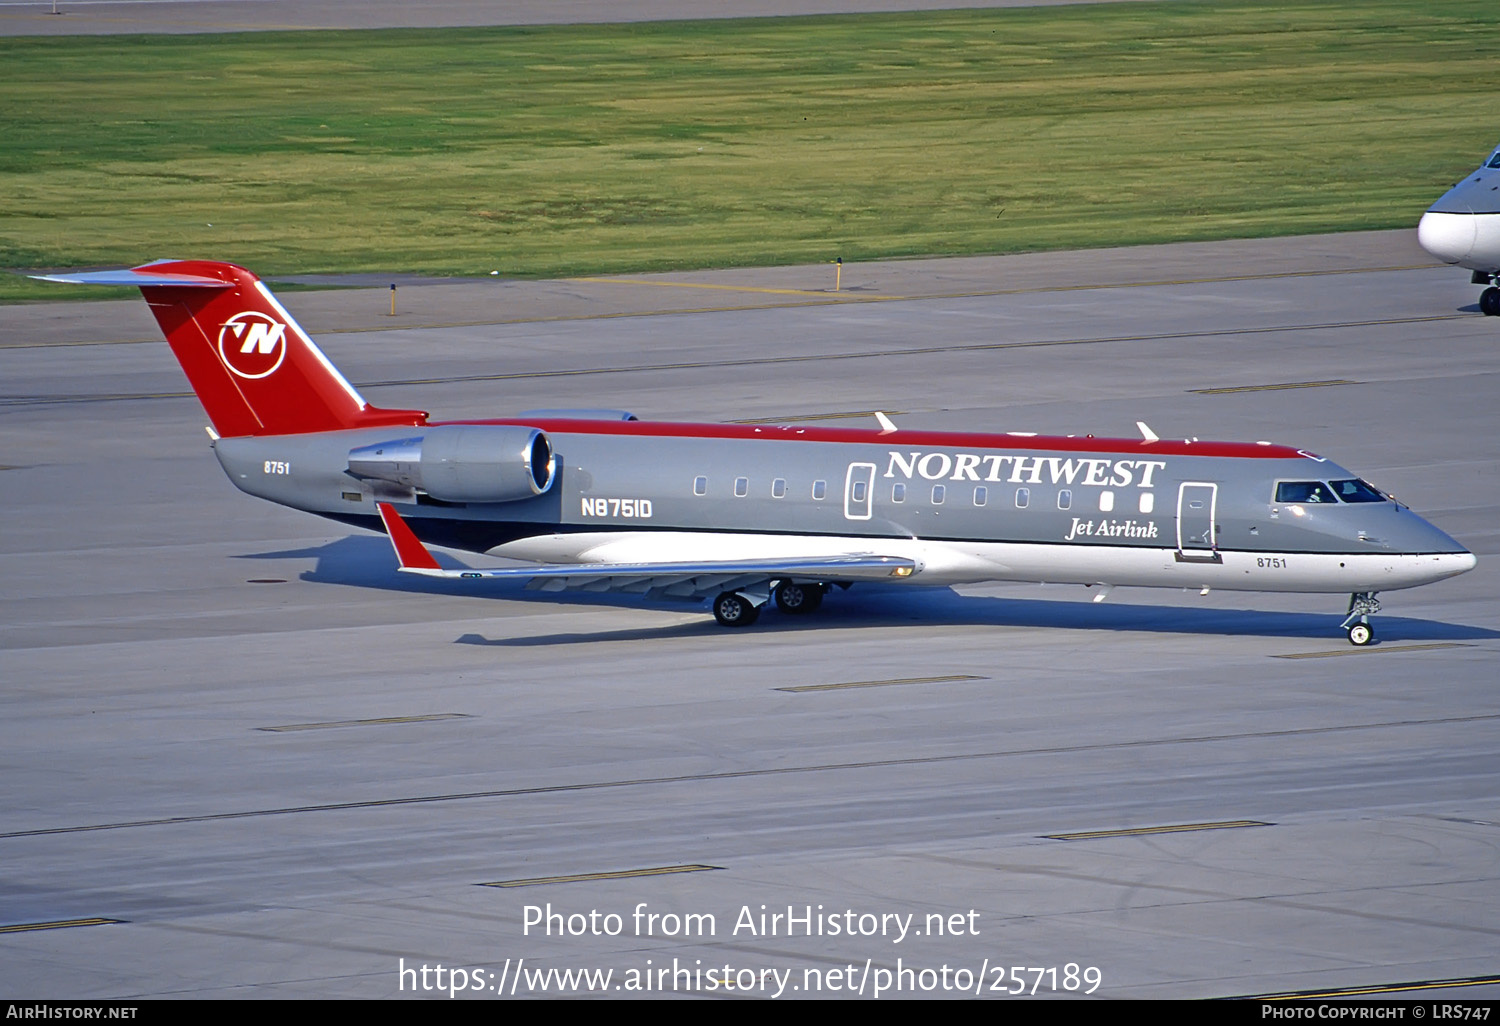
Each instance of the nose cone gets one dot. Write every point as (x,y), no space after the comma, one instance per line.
(1440,566)
(1436,555)
(1449,237)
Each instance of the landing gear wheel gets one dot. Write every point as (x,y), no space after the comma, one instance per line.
(794,597)
(1362,605)
(1489,302)
(732,609)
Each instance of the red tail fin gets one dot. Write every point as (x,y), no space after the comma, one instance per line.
(255,370)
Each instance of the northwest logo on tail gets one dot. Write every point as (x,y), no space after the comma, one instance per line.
(252,344)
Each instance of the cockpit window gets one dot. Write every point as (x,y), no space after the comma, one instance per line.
(1356,491)
(1494,160)
(1304,491)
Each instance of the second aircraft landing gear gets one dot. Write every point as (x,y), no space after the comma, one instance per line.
(1361,605)
(1489,299)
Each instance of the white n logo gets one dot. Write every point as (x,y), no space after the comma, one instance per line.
(252,344)
(261,336)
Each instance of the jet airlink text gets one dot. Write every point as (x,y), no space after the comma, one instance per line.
(966,466)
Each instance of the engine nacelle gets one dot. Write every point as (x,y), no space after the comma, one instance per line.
(463,462)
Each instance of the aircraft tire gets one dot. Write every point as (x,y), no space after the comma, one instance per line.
(732,609)
(798,599)
(1489,302)
(1361,634)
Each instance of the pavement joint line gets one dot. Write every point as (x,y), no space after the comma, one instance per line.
(1271,388)
(619,874)
(1367,650)
(60,924)
(881,683)
(380,721)
(1178,828)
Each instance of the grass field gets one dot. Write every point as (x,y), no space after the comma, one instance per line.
(583,149)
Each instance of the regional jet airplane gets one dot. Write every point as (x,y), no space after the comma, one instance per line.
(600,501)
(1463,228)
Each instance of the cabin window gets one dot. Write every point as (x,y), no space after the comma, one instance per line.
(857,493)
(1065,499)
(938,494)
(1148,502)
(820,489)
(1106,502)
(981,495)
(741,487)
(1023,498)
(1356,491)
(700,485)
(898,492)
(778,488)
(1304,491)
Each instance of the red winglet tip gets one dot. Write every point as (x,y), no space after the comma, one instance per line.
(411,553)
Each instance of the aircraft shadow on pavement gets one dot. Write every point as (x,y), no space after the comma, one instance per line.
(367,562)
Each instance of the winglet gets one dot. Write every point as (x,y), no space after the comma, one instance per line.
(410,553)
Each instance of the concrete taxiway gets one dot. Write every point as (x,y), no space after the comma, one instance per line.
(244,757)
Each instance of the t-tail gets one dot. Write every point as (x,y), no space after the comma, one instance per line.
(255,370)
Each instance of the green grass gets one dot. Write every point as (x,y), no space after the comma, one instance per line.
(589,149)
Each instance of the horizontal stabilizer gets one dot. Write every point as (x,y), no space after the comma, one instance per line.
(137,276)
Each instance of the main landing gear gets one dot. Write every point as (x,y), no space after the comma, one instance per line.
(1357,623)
(734,609)
(798,598)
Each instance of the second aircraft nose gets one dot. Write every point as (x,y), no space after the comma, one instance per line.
(1449,237)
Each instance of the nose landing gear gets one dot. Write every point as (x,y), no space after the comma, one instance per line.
(1361,605)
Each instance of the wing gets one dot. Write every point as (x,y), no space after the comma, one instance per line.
(677,580)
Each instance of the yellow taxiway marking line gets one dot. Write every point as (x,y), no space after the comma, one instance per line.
(1376,648)
(851,415)
(764,290)
(61,924)
(1387,988)
(823,299)
(882,683)
(367,723)
(1271,388)
(1175,829)
(622,874)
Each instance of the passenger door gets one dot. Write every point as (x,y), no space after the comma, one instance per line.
(1197,541)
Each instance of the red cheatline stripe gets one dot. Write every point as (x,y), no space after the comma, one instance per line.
(903,439)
